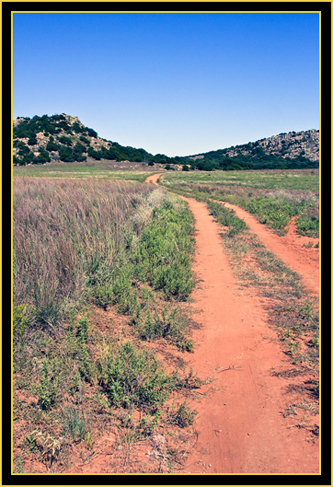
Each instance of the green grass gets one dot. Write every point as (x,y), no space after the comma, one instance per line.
(306,179)
(134,378)
(80,171)
(274,197)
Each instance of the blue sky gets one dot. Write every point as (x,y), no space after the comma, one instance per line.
(171,83)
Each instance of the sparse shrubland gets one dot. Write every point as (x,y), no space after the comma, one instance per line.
(83,250)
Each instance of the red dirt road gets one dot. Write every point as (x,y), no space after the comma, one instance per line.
(239,423)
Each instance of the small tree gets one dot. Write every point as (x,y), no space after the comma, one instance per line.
(32,140)
(42,157)
(92,133)
(66,154)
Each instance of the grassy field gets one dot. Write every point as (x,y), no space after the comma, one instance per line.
(84,170)
(101,271)
(304,179)
(274,197)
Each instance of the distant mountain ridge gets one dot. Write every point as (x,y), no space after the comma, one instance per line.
(63,138)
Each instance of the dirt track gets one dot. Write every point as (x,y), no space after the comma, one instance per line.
(240,425)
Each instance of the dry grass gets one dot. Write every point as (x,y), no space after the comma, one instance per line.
(83,373)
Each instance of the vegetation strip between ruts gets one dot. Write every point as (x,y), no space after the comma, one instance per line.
(121,247)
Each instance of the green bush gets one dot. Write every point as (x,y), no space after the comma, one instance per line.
(75,423)
(184,416)
(52,146)
(308,225)
(92,133)
(65,140)
(85,140)
(66,154)
(32,140)
(170,325)
(135,378)
(42,157)
(27,158)
(21,320)
(48,387)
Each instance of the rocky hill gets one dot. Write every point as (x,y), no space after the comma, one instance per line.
(290,145)
(58,138)
(283,151)
(63,138)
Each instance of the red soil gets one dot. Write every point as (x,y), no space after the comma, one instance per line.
(240,425)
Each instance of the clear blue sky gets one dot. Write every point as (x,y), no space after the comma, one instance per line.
(171,83)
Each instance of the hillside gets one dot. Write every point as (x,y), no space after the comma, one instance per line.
(63,138)
(286,151)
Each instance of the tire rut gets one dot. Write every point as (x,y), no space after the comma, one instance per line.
(240,426)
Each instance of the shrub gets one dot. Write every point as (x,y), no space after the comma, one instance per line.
(92,133)
(184,416)
(42,157)
(32,141)
(66,154)
(84,139)
(17,160)
(21,320)
(170,325)
(136,378)
(52,146)
(164,252)
(65,140)
(29,157)
(75,423)
(77,128)
(227,217)
(95,154)
(48,386)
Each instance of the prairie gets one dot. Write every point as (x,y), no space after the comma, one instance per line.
(91,169)
(102,272)
(103,321)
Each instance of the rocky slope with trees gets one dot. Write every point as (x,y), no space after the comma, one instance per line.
(63,138)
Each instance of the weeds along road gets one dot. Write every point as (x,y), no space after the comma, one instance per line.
(240,426)
(289,249)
